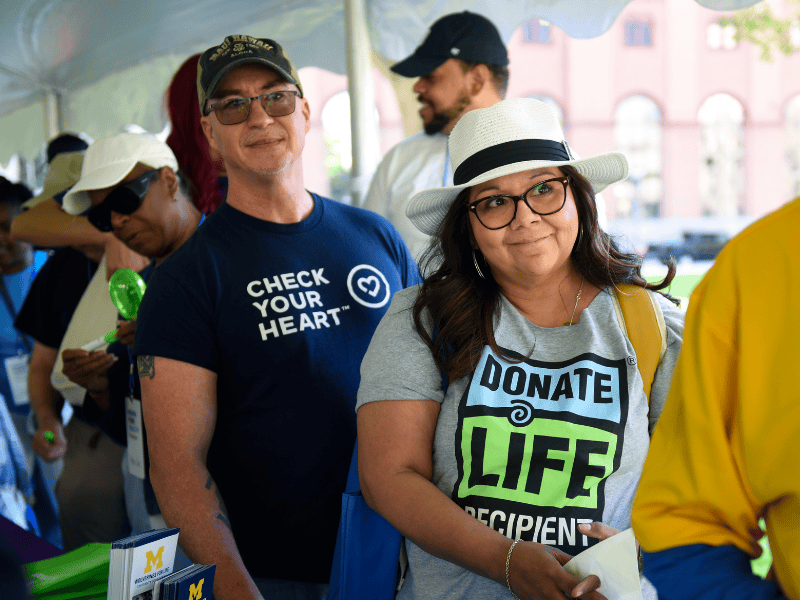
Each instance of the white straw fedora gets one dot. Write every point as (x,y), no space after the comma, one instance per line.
(518,134)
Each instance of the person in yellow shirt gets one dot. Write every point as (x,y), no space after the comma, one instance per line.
(725,451)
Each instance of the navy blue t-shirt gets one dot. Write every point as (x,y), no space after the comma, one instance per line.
(283,314)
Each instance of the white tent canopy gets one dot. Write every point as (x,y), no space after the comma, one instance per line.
(107,64)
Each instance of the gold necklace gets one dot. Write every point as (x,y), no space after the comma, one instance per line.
(577,299)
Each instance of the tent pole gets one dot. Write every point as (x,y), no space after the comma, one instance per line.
(365,145)
(52,114)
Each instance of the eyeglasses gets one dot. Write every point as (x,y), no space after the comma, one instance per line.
(237,110)
(545,198)
(124,199)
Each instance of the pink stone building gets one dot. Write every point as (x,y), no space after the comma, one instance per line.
(709,127)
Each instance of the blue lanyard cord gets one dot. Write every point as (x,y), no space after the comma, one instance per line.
(131,379)
(446,164)
(148,271)
(146,276)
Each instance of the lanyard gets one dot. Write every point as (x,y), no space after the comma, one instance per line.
(446,164)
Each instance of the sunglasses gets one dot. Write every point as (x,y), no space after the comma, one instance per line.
(237,110)
(124,200)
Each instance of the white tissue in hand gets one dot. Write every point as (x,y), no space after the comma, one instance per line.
(615,562)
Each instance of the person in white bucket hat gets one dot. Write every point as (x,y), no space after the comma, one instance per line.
(519,418)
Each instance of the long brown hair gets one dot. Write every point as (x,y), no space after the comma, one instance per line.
(464,306)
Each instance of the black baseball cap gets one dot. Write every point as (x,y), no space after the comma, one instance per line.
(66,142)
(234,51)
(466,36)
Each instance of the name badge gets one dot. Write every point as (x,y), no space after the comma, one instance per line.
(133,425)
(17,371)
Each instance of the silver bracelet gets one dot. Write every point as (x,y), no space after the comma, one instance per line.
(508,561)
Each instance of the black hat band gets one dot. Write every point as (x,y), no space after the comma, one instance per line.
(508,153)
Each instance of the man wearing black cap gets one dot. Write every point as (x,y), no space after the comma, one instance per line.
(462,65)
(250,338)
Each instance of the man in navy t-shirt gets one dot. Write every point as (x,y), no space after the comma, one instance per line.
(251,337)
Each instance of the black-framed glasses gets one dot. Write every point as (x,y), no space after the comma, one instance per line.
(236,110)
(545,198)
(124,199)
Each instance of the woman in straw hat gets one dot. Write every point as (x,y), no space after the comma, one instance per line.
(502,418)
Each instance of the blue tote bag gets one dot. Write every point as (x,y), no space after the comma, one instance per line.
(366,558)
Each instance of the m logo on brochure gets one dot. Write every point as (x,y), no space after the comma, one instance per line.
(196,591)
(154,560)
(368,286)
(536,442)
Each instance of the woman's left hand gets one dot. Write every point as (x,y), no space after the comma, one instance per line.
(601,531)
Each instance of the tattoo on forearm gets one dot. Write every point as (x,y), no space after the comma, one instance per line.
(147,366)
(222,510)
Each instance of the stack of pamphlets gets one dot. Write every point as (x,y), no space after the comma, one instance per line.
(192,583)
(79,574)
(137,562)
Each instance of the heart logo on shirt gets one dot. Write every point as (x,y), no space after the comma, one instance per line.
(368,286)
(371,285)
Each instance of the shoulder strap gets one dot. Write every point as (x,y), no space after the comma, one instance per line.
(640,316)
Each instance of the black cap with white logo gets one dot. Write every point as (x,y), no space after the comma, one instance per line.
(466,36)
(237,50)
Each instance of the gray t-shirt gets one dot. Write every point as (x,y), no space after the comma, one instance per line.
(530,448)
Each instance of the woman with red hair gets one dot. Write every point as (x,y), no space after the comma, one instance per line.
(207,184)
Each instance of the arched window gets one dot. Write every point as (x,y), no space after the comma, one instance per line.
(721,119)
(552,104)
(793,145)
(536,31)
(638,32)
(335,118)
(638,132)
(721,38)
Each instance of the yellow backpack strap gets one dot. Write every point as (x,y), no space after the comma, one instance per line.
(643,322)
